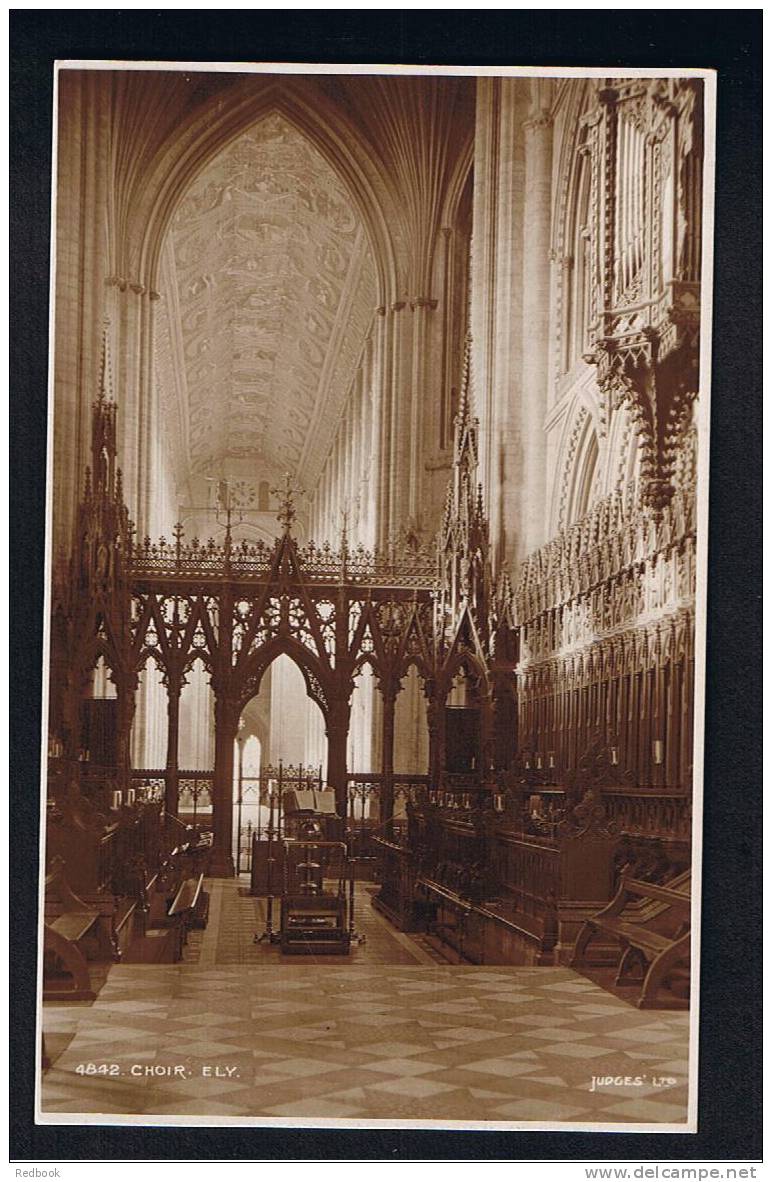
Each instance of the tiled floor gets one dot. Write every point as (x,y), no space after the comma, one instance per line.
(236,1031)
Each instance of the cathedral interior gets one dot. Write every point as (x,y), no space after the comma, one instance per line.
(372,609)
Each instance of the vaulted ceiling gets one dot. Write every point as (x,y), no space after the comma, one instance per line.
(271,287)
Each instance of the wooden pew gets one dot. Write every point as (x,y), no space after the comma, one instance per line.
(168,939)
(649,924)
(183,909)
(72,935)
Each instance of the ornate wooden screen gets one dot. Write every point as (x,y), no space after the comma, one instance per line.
(235,607)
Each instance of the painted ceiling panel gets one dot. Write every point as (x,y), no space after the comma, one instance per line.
(268,248)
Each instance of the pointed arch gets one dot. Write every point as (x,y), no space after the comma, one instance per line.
(466,652)
(582,446)
(187,149)
(572,206)
(314,674)
(585,481)
(623,459)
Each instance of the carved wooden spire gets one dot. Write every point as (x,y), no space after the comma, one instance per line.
(105,388)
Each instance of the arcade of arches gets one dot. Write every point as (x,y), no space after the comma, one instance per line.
(376,408)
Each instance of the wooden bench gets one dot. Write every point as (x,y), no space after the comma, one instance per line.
(171,936)
(71,937)
(650,924)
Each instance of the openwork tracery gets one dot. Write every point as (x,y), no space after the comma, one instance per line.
(235,607)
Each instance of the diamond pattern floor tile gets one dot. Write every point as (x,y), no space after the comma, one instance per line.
(389,1034)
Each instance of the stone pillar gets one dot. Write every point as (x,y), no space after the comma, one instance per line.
(496,281)
(369,472)
(381,427)
(324,508)
(401,420)
(340,480)
(138,417)
(356,455)
(443,438)
(422,307)
(483,278)
(334,489)
(84,178)
(536,318)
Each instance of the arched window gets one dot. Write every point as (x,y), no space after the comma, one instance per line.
(577,283)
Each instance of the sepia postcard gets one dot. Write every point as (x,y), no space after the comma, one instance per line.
(376,585)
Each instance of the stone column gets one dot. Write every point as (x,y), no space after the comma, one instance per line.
(536,320)
(340,479)
(483,278)
(496,282)
(138,423)
(381,426)
(401,421)
(369,471)
(443,438)
(331,494)
(356,455)
(84,202)
(324,517)
(422,307)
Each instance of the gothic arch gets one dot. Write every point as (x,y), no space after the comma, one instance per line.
(151,653)
(424,672)
(623,458)
(462,659)
(315,676)
(457,185)
(581,424)
(573,191)
(369,658)
(585,478)
(188,148)
(194,655)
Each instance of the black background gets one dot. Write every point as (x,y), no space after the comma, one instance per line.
(730,1005)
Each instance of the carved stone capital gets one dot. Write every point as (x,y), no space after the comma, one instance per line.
(124,284)
(541,122)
